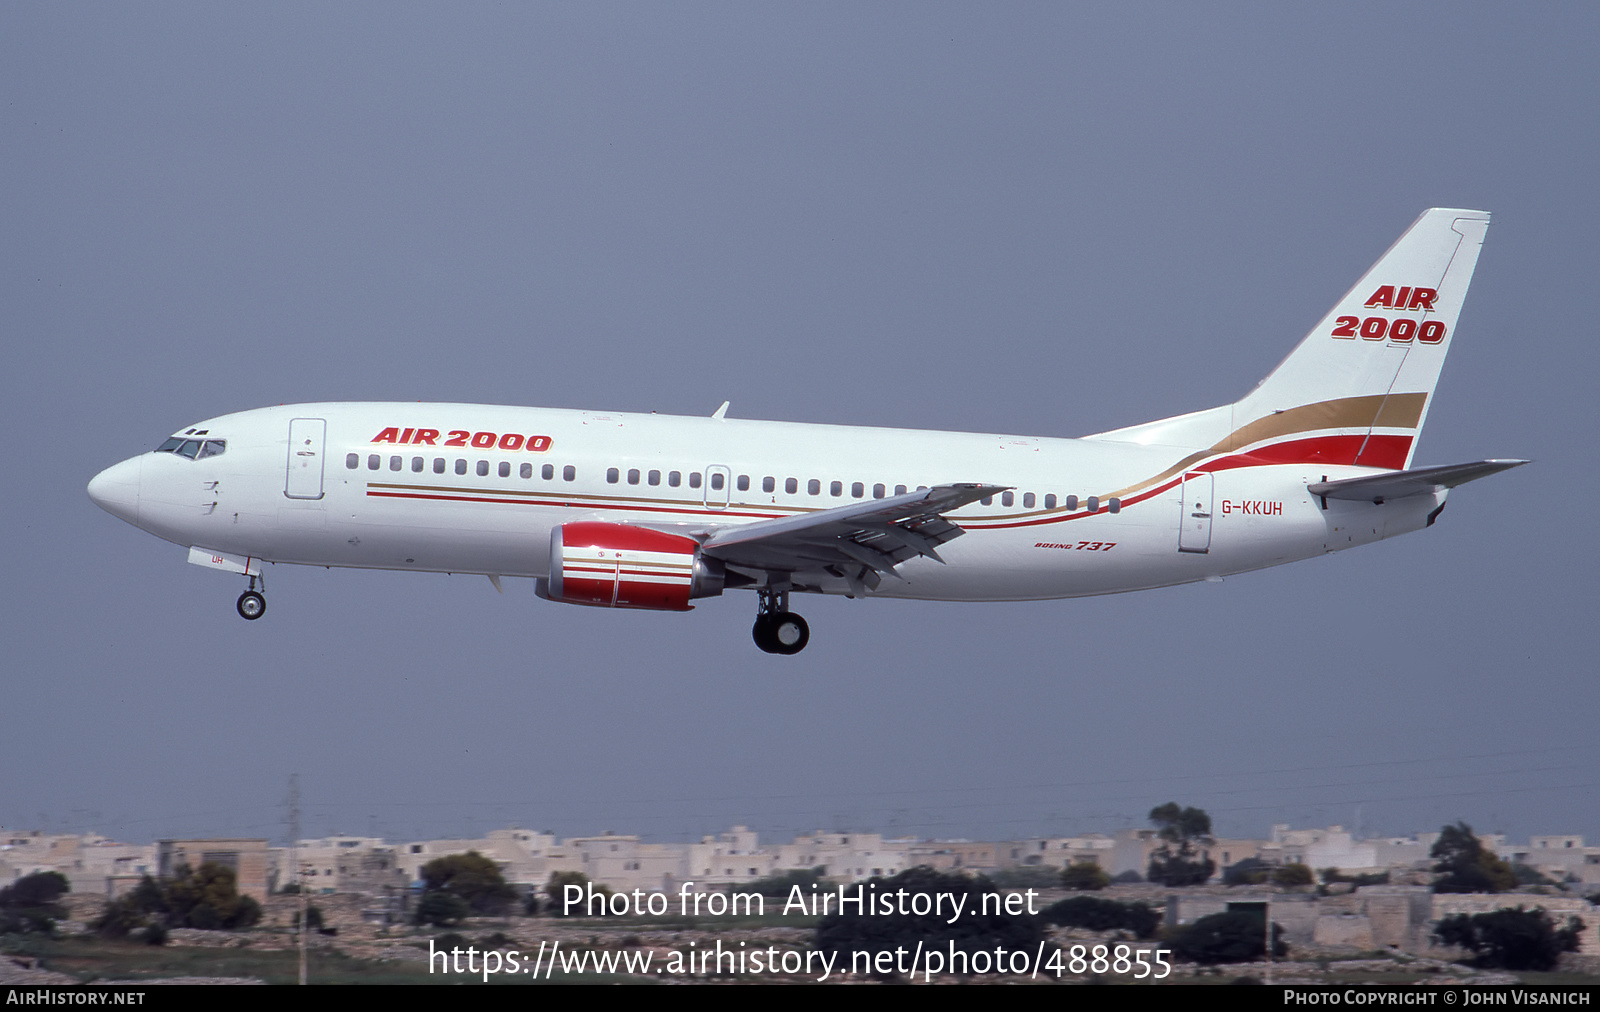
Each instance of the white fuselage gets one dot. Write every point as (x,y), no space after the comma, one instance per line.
(379,486)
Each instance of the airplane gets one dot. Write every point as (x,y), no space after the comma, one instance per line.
(645,511)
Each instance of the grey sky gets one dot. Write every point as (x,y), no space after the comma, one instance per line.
(1052,219)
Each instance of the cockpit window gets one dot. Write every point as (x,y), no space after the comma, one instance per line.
(194,449)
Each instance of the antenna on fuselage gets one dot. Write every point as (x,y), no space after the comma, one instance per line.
(722,411)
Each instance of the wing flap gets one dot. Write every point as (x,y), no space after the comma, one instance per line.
(862,540)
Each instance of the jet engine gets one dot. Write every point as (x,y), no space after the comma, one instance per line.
(621,566)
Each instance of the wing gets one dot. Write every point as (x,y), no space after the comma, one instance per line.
(857,543)
(1399,484)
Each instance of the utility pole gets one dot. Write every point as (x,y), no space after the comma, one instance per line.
(294,863)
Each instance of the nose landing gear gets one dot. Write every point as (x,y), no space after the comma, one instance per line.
(779,630)
(252,603)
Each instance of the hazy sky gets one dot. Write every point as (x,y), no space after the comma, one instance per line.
(1050,219)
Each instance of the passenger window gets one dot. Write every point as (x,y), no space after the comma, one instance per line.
(744,486)
(570,473)
(461,468)
(857,490)
(526,471)
(1115,505)
(1050,504)
(633,479)
(654,478)
(694,482)
(374,462)
(505,472)
(438,468)
(395,464)
(1027,503)
(1008,499)
(791,486)
(548,472)
(716,486)
(483,471)
(901,490)
(988,500)
(353,461)
(877,493)
(1094,507)
(612,476)
(837,488)
(814,487)
(674,478)
(1072,504)
(770,484)
(416,466)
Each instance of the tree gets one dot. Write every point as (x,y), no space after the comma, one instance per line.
(1183,832)
(207,898)
(974,932)
(1513,939)
(29,904)
(1234,937)
(1085,876)
(556,889)
(442,909)
(1466,865)
(1293,874)
(1096,914)
(471,878)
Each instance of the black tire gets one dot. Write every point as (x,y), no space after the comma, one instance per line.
(788,632)
(761,632)
(251,605)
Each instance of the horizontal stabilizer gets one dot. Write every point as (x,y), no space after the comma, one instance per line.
(1399,484)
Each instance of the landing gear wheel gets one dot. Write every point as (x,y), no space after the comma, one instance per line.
(781,632)
(251,605)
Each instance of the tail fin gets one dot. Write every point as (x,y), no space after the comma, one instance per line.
(1356,390)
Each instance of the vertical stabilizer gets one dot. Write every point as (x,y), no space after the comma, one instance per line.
(1356,390)
(1363,378)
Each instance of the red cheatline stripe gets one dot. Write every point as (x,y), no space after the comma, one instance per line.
(577,505)
(1379,451)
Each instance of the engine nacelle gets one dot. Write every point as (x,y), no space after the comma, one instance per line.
(620,566)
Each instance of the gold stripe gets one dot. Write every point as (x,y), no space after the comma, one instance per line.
(1392,411)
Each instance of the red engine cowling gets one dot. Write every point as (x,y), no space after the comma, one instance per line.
(619,566)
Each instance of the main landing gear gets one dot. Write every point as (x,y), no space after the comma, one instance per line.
(779,630)
(252,603)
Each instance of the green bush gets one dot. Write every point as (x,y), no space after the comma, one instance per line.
(1095,914)
(1511,939)
(1233,937)
(1085,876)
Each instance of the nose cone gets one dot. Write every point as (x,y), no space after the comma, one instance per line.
(116,489)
